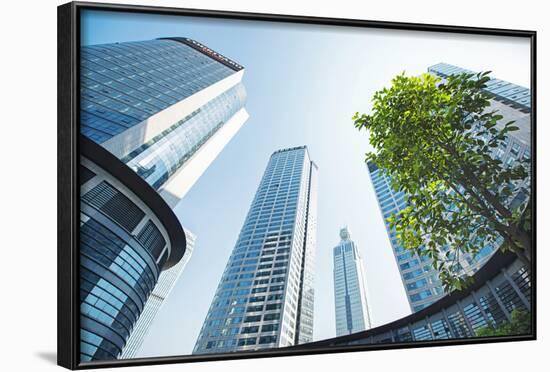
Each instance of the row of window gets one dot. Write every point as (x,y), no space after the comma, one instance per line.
(241,342)
(120,93)
(263,247)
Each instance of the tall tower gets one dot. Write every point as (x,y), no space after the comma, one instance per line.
(265,296)
(419,278)
(350,293)
(165,108)
(154,115)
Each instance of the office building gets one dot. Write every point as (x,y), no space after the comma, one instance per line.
(154,115)
(166,108)
(265,296)
(350,292)
(419,278)
(513,102)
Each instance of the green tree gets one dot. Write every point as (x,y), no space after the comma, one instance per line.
(435,140)
(519,325)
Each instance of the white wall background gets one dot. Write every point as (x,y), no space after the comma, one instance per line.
(28,184)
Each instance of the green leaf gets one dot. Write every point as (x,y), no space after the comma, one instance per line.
(436,140)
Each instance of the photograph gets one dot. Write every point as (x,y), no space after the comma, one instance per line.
(251,186)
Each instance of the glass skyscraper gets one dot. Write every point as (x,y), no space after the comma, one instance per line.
(154,115)
(419,278)
(265,296)
(350,293)
(165,108)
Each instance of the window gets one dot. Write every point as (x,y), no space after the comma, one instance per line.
(270,327)
(515,149)
(252,329)
(272,306)
(257,299)
(420,296)
(418,284)
(251,309)
(274,316)
(115,205)
(247,341)
(237,310)
(252,318)
(268,339)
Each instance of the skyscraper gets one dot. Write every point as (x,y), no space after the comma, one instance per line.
(165,108)
(265,296)
(350,293)
(154,115)
(419,278)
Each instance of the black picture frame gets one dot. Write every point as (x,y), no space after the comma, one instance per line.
(68,180)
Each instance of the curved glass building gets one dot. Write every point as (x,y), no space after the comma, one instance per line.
(500,287)
(154,115)
(128,235)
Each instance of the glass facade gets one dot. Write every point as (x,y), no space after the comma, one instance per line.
(513,102)
(166,281)
(460,315)
(158,159)
(419,278)
(121,257)
(156,107)
(123,84)
(155,104)
(265,297)
(350,293)
(511,94)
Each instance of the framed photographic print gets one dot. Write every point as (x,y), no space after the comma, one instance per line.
(238,185)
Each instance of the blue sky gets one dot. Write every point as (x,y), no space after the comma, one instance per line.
(304,83)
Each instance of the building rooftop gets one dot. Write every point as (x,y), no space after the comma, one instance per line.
(207,51)
(290,149)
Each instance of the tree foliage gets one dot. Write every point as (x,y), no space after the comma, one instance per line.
(519,325)
(436,141)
